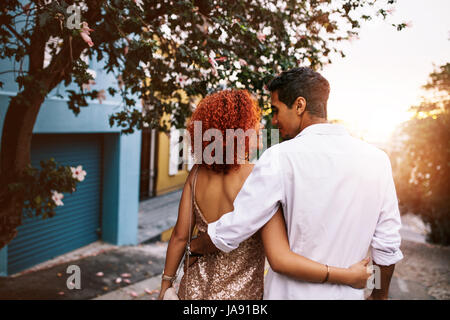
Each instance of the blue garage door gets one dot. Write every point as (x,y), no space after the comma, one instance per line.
(75,224)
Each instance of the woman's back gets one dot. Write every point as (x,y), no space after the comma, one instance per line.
(238,274)
(215,192)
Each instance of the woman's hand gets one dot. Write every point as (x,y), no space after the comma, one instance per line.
(359,274)
(164,286)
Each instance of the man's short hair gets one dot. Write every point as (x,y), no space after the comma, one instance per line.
(306,83)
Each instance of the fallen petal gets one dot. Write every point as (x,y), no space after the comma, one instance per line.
(133,294)
(99,274)
(118,280)
(125,275)
(61,293)
(127,281)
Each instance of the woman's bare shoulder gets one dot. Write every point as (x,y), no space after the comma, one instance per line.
(246,169)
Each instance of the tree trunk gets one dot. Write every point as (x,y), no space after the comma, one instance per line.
(15,156)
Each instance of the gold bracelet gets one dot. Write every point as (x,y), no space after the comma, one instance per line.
(328,274)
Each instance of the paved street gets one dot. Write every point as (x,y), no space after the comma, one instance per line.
(133,272)
(157,215)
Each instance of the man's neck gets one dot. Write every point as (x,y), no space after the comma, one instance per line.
(309,121)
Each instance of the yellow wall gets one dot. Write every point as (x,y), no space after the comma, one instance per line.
(164,182)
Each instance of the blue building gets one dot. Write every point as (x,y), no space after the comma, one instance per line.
(105,205)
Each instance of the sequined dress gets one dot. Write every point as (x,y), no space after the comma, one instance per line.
(236,275)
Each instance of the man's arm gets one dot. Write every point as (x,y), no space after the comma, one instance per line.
(385,281)
(254,205)
(386,239)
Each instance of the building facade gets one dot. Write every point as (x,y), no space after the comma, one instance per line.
(105,205)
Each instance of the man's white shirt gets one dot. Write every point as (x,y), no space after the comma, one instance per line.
(338,198)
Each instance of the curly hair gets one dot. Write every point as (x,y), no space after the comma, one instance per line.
(227,109)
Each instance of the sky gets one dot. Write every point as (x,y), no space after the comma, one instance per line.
(381,76)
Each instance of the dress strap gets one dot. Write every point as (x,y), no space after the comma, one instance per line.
(194,182)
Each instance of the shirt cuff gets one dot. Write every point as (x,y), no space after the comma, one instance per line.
(384,258)
(219,243)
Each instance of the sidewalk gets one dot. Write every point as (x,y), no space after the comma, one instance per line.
(134,272)
(156,215)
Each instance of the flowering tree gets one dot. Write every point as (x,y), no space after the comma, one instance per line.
(423,171)
(167,53)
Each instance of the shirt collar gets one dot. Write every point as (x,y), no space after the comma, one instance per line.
(324,129)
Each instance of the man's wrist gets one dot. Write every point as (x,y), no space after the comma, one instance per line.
(379,294)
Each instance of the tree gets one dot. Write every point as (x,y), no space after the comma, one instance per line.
(423,170)
(184,49)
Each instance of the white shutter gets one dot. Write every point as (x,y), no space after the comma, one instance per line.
(174,151)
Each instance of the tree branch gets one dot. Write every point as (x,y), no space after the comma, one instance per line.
(18,36)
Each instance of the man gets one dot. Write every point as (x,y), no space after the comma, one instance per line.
(336,191)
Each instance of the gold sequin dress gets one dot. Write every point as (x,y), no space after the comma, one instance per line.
(236,275)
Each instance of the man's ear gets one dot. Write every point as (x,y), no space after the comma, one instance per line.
(300,105)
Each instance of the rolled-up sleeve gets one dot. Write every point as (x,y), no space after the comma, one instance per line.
(386,239)
(254,205)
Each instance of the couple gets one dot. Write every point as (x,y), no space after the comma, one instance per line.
(314,205)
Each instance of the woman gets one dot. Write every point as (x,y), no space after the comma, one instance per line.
(211,188)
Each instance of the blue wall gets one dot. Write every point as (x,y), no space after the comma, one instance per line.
(120,199)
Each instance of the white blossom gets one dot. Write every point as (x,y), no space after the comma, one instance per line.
(56,197)
(265,60)
(233,77)
(78,173)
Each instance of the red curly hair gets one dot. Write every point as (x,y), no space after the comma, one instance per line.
(227,109)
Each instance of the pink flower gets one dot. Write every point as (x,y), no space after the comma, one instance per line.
(261,36)
(87,86)
(56,197)
(125,50)
(181,80)
(85,32)
(133,294)
(78,173)
(390,11)
(353,37)
(213,64)
(101,95)
(409,24)
(221,59)
(242,62)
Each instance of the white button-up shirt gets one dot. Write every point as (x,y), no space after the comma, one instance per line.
(339,201)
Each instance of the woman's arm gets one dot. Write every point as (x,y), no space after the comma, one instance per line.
(283,260)
(180,234)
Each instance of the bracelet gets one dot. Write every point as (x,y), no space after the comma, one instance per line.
(328,274)
(168,278)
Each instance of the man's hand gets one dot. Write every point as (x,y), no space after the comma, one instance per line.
(203,244)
